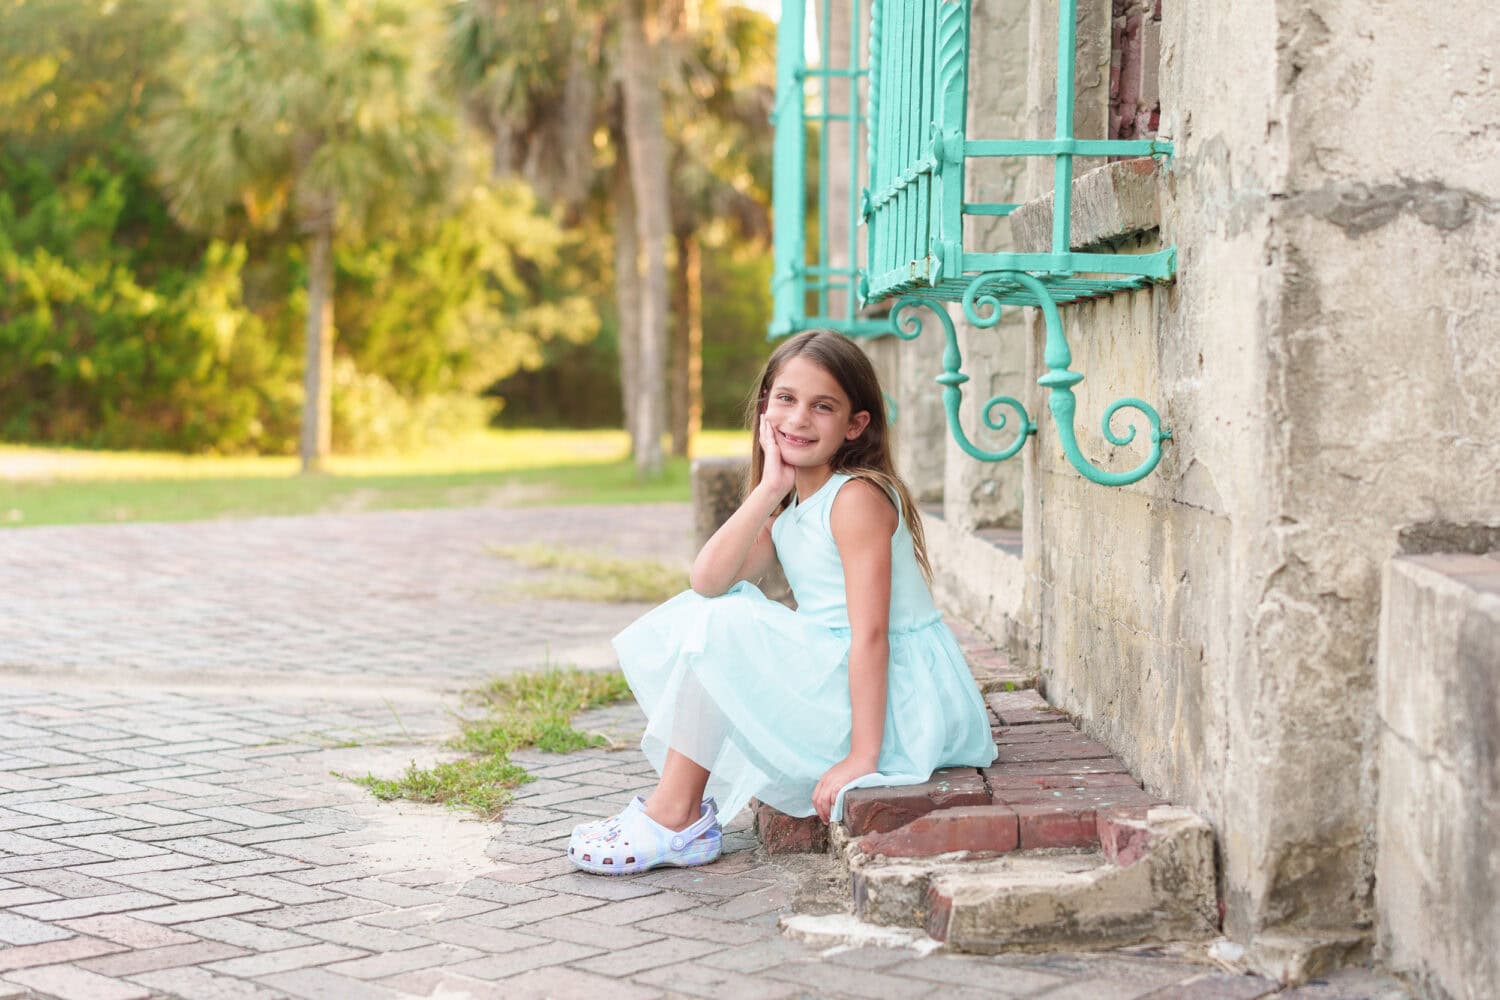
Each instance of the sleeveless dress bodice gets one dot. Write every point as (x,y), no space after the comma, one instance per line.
(803,535)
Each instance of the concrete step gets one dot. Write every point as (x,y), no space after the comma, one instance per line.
(1154,883)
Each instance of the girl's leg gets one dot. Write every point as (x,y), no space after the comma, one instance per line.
(679,794)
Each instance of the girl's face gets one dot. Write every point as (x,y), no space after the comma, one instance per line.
(810,414)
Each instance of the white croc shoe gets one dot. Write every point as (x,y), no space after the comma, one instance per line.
(613,821)
(634,842)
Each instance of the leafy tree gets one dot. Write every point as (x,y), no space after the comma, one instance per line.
(467,298)
(718,125)
(538,84)
(319,108)
(621,97)
(117,327)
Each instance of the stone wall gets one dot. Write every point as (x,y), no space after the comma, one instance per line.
(1327,361)
(1438,857)
(1322,362)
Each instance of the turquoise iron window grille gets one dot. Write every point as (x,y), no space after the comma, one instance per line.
(916,128)
(818,294)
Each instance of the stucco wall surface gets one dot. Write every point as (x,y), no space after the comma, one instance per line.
(1327,361)
(1384,362)
(1438,867)
(1146,593)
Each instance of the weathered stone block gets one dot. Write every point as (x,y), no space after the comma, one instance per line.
(783,834)
(1020,708)
(1109,203)
(975,829)
(1078,899)
(718,490)
(880,810)
(892,895)
(978,581)
(1438,675)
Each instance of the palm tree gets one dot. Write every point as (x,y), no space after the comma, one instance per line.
(640,31)
(719,128)
(531,79)
(683,96)
(323,108)
(538,81)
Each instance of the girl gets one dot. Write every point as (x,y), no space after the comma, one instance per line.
(862,685)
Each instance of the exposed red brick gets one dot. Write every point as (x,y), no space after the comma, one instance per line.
(1001,779)
(783,834)
(1032,733)
(1100,765)
(1053,749)
(1124,835)
(955,783)
(880,810)
(1121,796)
(1046,825)
(939,907)
(977,829)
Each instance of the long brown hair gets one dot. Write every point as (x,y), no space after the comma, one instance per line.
(867,456)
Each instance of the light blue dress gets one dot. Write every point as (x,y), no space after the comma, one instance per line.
(759,694)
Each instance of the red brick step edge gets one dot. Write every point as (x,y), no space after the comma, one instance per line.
(1050,786)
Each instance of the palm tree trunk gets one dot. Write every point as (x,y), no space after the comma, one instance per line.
(317,398)
(687,344)
(627,291)
(645,136)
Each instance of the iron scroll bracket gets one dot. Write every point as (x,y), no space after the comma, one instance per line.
(982,309)
(907,325)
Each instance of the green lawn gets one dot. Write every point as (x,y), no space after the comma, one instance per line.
(65,486)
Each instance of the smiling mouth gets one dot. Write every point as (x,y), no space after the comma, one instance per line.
(795,441)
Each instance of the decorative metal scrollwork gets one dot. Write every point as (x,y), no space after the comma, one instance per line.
(908,326)
(1059,380)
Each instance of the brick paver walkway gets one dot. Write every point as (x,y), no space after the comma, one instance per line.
(173,699)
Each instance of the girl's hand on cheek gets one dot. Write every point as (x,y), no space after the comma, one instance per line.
(776,475)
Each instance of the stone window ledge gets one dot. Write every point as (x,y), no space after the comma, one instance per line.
(1115,202)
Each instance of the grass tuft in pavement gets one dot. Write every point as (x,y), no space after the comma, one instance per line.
(536,709)
(518,712)
(481,784)
(584,576)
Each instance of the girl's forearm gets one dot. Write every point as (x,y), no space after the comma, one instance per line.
(868,662)
(720,559)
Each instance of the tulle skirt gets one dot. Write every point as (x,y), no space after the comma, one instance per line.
(759,695)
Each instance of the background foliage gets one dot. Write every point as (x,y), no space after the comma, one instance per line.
(121,328)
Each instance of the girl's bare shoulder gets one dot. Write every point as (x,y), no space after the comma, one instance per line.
(861,507)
